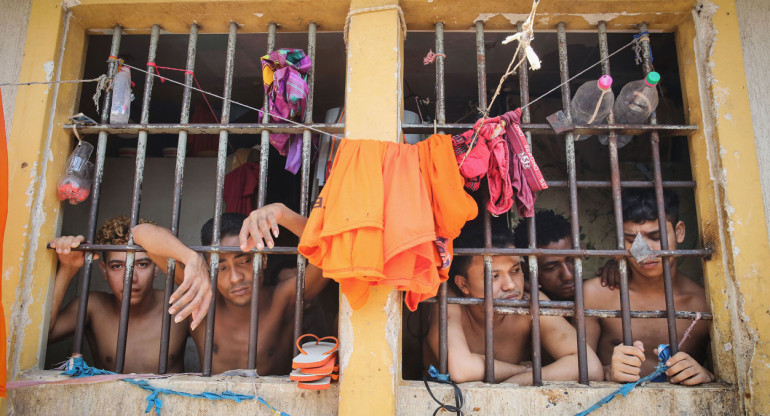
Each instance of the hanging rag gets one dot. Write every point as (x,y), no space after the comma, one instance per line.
(241,184)
(498,176)
(452,207)
(525,176)
(375,221)
(284,74)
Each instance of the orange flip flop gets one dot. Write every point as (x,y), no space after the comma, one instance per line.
(327,368)
(315,354)
(298,375)
(321,384)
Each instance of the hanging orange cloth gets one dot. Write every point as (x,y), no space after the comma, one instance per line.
(452,207)
(377,219)
(3,215)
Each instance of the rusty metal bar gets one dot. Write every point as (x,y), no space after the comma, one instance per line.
(534,285)
(579,311)
(101,148)
(625,305)
(181,150)
(702,252)
(258,259)
(489,341)
(305,185)
(141,150)
(658,177)
(596,313)
(443,347)
(623,184)
(221,159)
(667,130)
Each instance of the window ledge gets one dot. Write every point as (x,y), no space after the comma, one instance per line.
(117,397)
(570,398)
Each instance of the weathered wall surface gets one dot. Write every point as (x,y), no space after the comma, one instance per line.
(755,40)
(569,399)
(120,398)
(14,18)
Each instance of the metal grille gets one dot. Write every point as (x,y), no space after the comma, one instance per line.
(534,307)
(224,129)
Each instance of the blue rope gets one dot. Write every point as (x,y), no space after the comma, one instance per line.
(638,46)
(664,353)
(77,368)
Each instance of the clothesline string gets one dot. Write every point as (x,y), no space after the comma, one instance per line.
(309,127)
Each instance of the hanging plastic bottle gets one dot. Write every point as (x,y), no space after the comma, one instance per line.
(592,102)
(636,101)
(121,97)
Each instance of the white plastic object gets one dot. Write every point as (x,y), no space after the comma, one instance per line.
(121,97)
(592,103)
(636,101)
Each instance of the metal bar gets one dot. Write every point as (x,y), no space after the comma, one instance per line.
(625,305)
(623,184)
(579,311)
(258,259)
(655,144)
(181,150)
(443,347)
(595,313)
(534,285)
(568,308)
(141,150)
(305,185)
(221,159)
(668,130)
(101,148)
(702,252)
(489,341)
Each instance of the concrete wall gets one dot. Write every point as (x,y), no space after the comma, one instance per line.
(14,18)
(755,40)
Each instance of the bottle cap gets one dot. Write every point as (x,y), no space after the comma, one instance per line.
(652,79)
(605,82)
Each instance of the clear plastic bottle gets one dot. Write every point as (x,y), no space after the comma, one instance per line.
(121,97)
(592,102)
(636,101)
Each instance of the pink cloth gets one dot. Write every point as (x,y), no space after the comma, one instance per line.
(498,179)
(525,175)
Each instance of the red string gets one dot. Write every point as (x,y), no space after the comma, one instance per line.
(189,72)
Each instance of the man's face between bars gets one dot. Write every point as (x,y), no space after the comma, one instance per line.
(507,278)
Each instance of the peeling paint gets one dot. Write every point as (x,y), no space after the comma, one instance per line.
(70,3)
(259,14)
(728,347)
(513,18)
(594,19)
(48,67)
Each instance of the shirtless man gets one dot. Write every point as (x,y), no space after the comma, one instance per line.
(233,305)
(645,289)
(556,274)
(103,313)
(465,325)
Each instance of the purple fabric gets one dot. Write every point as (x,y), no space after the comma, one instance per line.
(286,97)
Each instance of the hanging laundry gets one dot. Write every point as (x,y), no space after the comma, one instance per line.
(452,207)
(241,184)
(284,74)
(202,144)
(525,175)
(376,220)
(489,155)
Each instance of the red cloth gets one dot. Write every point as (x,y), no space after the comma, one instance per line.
(3,215)
(498,177)
(240,186)
(525,175)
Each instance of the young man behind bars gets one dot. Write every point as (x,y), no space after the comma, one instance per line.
(646,292)
(103,313)
(234,286)
(512,333)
